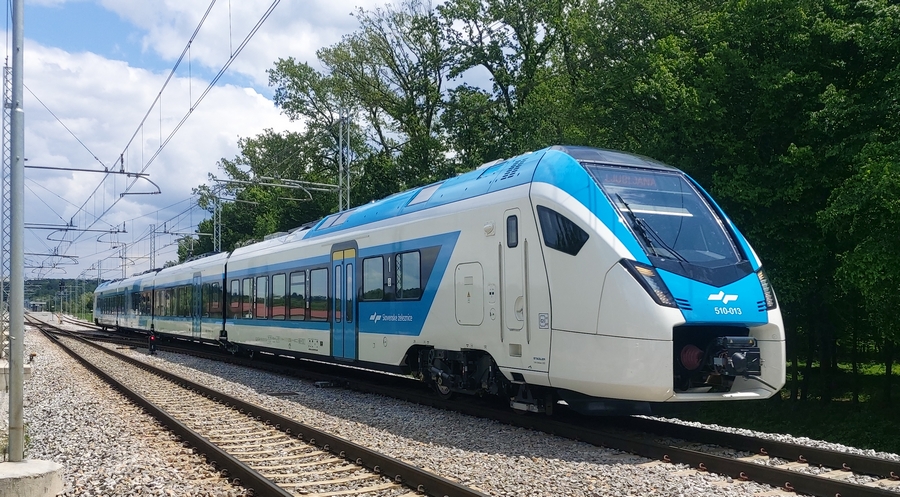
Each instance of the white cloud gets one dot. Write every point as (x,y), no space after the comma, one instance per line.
(102,101)
(295,28)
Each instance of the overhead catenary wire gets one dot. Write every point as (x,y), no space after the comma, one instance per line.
(191,109)
(64,126)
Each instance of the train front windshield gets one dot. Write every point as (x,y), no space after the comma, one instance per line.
(670,217)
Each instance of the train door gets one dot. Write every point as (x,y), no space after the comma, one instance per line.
(524,295)
(196,305)
(513,284)
(343,303)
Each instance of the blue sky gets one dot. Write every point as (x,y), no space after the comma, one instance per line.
(99,64)
(88,27)
(85,26)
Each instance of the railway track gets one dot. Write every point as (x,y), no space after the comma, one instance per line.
(260,450)
(790,467)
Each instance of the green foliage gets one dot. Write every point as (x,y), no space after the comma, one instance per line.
(785,110)
(76,293)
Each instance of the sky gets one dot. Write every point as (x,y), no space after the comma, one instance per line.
(93,69)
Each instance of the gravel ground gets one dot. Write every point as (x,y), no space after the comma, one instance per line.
(107,446)
(120,451)
(789,439)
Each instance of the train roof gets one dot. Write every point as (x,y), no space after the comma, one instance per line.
(281,239)
(612,157)
(488,178)
(195,264)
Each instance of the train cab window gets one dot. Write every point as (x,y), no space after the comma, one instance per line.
(559,232)
(234,300)
(278,296)
(318,295)
(512,231)
(373,278)
(297,302)
(247,298)
(260,310)
(408,275)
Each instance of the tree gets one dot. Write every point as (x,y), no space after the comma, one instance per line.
(513,41)
(861,121)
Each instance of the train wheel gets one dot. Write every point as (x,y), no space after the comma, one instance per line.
(442,390)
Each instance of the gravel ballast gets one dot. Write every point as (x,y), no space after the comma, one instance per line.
(109,447)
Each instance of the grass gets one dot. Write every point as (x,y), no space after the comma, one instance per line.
(870,424)
(865,426)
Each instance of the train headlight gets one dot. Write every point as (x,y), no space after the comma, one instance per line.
(771,303)
(651,281)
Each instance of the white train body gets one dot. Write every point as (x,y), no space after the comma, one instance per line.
(533,278)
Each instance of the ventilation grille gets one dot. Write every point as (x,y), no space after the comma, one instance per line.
(512,169)
(684,304)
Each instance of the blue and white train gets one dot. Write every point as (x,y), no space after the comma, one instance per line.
(602,279)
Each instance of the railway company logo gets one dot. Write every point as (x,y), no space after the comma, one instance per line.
(722,296)
(375,317)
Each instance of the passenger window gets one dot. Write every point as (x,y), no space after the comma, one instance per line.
(204,299)
(215,300)
(247,299)
(373,278)
(337,294)
(348,308)
(298,296)
(278,296)
(262,294)
(512,231)
(234,299)
(170,301)
(408,276)
(318,295)
(559,232)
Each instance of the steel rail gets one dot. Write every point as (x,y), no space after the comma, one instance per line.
(735,468)
(401,472)
(245,475)
(857,463)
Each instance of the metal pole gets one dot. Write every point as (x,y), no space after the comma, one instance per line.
(17,234)
(152,246)
(5,221)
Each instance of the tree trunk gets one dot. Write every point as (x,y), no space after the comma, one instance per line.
(826,332)
(807,371)
(888,367)
(795,372)
(855,359)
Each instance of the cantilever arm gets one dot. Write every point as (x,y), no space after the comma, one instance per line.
(141,176)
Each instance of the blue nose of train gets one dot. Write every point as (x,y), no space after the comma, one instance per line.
(739,303)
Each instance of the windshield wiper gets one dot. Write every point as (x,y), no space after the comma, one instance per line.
(649,234)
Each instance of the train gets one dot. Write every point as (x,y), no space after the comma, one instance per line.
(603,280)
